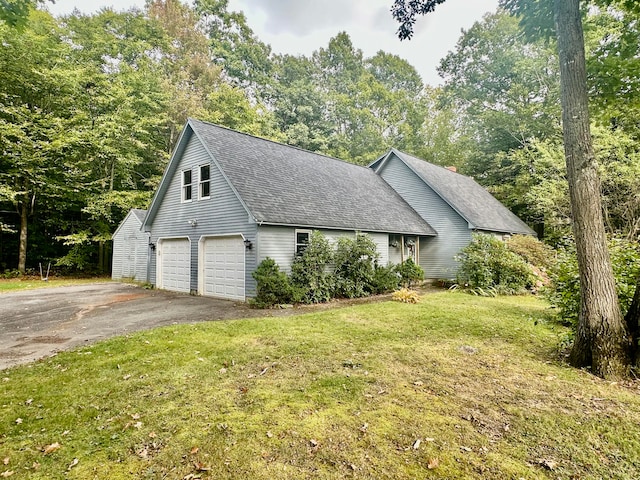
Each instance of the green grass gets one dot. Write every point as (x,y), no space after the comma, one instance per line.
(338,394)
(31,282)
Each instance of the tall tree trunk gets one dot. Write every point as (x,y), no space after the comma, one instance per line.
(602,340)
(22,249)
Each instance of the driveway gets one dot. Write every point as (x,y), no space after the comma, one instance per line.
(38,323)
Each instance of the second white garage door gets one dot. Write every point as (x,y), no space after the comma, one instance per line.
(222,267)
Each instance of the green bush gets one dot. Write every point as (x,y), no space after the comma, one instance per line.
(385,279)
(409,272)
(532,250)
(564,291)
(486,264)
(354,261)
(273,287)
(311,276)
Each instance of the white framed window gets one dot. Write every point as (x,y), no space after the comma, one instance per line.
(302,240)
(187,186)
(204,188)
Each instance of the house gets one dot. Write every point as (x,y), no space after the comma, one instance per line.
(228,200)
(453,204)
(130,248)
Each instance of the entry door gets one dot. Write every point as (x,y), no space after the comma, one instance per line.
(222,267)
(174,260)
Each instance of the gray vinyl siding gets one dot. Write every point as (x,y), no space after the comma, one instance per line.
(278,243)
(436,254)
(382,245)
(130,251)
(221,213)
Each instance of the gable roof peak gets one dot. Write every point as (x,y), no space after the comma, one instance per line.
(467,197)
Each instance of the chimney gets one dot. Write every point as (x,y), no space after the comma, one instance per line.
(453,169)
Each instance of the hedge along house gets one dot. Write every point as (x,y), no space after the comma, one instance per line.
(453,204)
(130,248)
(228,200)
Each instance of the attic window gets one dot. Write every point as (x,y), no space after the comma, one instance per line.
(187,191)
(302,240)
(205,181)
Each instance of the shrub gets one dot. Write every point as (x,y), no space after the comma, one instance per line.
(409,272)
(564,291)
(273,287)
(532,250)
(354,266)
(385,279)
(486,264)
(310,273)
(406,295)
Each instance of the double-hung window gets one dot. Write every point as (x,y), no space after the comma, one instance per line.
(187,186)
(302,240)
(205,181)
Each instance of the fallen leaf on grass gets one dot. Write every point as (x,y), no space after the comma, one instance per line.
(416,444)
(52,448)
(73,464)
(433,463)
(194,450)
(548,464)
(7,473)
(201,467)
(418,383)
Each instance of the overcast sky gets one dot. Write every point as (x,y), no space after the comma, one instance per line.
(302,26)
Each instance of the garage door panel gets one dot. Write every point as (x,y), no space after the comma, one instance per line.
(222,267)
(175,264)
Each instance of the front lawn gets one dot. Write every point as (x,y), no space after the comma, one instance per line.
(454,387)
(30,282)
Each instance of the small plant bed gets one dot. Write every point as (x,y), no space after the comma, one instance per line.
(455,386)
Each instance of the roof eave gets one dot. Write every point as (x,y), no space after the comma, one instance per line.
(328,227)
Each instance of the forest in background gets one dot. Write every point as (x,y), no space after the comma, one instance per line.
(92,105)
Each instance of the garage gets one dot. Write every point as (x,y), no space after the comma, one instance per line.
(174,264)
(130,247)
(221,269)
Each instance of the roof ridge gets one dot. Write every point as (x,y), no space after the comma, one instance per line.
(433,164)
(276,142)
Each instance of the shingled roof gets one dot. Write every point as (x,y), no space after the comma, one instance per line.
(140,214)
(284,185)
(468,198)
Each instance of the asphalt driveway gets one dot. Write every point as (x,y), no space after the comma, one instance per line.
(38,323)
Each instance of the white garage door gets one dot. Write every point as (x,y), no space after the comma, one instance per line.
(175,264)
(222,267)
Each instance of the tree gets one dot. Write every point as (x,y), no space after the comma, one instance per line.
(38,86)
(602,341)
(15,13)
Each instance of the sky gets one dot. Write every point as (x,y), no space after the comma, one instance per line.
(302,26)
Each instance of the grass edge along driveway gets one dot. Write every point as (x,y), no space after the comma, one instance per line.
(453,387)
